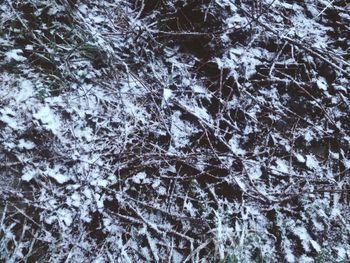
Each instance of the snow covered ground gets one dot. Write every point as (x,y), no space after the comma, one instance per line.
(174,131)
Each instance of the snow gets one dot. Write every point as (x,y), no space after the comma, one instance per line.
(10,121)
(74,200)
(346,163)
(322,83)
(334,155)
(25,144)
(28,175)
(139,178)
(254,172)
(315,245)
(29,47)
(48,118)
(312,162)
(302,233)
(98,19)
(155,184)
(26,90)
(15,54)
(189,207)
(99,200)
(235,147)
(305,259)
(282,166)
(342,253)
(57,175)
(83,151)
(167,94)
(179,132)
(240,183)
(299,157)
(161,190)
(54,9)
(65,216)
(309,135)
(199,89)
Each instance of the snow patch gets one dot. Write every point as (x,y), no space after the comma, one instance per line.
(25,91)
(311,162)
(254,172)
(48,119)
(24,144)
(282,165)
(138,178)
(28,175)
(57,175)
(299,157)
(235,148)
(303,235)
(15,54)
(322,83)
(65,216)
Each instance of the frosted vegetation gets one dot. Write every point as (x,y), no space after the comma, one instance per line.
(174,131)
